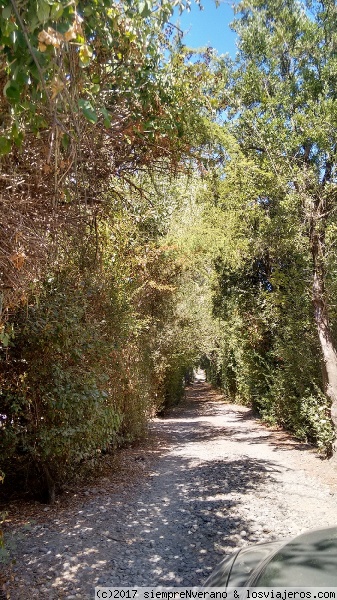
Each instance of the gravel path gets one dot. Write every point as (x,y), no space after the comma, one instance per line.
(215,479)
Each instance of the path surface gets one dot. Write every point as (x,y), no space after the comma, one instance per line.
(215,479)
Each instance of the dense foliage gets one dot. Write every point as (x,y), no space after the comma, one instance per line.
(274,285)
(160,208)
(94,140)
(100,344)
(268,354)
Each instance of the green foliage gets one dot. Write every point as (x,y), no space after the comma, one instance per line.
(103,342)
(62,59)
(101,105)
(141,237)
(268,354)
(57,405)
(316,411)
(276,195)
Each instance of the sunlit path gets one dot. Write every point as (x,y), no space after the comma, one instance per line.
(217,479)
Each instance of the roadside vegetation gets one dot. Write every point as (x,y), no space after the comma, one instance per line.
(161,208)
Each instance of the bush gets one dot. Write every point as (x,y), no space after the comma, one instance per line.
(268,355)
(57,400)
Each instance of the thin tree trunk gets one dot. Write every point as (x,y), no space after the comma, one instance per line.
(329,353)
(318,224)
(50,485)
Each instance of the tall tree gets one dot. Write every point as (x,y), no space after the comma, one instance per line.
(284,112)
(90,90)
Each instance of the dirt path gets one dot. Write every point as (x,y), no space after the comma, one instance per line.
(213,478)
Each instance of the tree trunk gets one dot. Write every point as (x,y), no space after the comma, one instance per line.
(50,485)
(329,353)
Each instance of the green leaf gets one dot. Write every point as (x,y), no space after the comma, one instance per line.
(43,11)
(4,339)
(20,77)
(12,92)
(145,8)
(21,40)
(95,88)
(64,26)
(6,12)
(130,36)
(56,11)
(5,145)
(65,141)
(107,119)
(18,140)
(85,55)
(17,135)
(88,110)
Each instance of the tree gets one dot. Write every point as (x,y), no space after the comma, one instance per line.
(283,110)
(101,108)
(267,354)
(89,91)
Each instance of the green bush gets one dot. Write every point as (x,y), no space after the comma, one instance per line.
(56,397)
(268,356)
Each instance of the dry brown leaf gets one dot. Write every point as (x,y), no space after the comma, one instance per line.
(18,259)
(50,38)
(70,34)
(56,86)
(78,25)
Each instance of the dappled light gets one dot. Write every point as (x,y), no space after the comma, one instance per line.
(193,506)
(168,289)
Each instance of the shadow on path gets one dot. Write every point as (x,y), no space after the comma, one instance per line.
(191,508)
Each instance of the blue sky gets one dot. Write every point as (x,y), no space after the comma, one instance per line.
(209,27)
